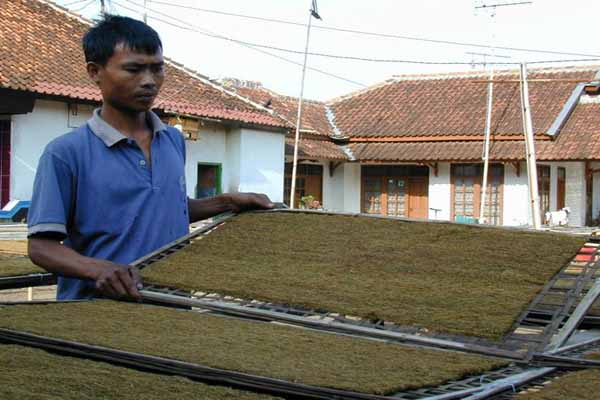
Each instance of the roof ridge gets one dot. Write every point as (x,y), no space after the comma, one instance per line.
(64,10)
(498,72)
(191,72)
(358,92)
(285,96)
(461,75)
(206,80)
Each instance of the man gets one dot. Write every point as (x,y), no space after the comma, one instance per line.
(114,189)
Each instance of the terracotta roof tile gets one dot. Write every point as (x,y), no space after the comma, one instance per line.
(40,51)
(314,117)
(315,149)
(453,105)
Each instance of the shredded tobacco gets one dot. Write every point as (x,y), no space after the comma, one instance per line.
(27,373)
(446,278)
(259,348)
(582,385)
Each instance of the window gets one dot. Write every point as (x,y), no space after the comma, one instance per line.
(395,190)
(561,180)
(309,182)
(543,172)
(372,195)
(466,198)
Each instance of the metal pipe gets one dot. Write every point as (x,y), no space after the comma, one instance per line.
(299,116)
(534,197)
(510,383)
(486,146)
(329,325)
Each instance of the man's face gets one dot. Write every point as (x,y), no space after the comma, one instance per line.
(130,81)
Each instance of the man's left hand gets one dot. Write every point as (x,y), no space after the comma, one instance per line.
(240,202)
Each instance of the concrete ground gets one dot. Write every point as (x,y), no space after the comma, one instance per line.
(27,294)
(19,246)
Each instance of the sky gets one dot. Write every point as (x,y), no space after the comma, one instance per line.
(556,25)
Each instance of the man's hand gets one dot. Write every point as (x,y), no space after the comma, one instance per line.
(249,201)
(199,209)
(118,281)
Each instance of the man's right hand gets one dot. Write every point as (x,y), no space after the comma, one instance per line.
(118,281)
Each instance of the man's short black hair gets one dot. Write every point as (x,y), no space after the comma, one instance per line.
(100,41)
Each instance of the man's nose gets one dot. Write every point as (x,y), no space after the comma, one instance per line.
(148,80)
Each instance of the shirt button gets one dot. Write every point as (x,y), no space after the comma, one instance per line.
(143,163)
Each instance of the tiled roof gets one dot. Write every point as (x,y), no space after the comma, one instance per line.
(315,144)
(314,117)
(436,151)
(453,105)
(40,52)
(315,149)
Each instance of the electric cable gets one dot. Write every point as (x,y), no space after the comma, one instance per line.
(375,34)
(338,56)
(198,30)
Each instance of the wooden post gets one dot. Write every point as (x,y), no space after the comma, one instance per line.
(534,197)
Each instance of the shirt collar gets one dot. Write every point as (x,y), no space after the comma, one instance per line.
(111,136)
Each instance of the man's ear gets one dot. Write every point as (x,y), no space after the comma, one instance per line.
(93,71)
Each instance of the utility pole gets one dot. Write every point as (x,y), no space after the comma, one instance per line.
(534,196)
(490,100)
(313,13)
(145,11)
(102,7)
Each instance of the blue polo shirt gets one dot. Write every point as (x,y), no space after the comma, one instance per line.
(94,187)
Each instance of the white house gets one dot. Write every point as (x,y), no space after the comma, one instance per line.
(234,144)
(412,146)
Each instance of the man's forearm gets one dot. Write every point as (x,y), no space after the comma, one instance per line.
(199,209)
(59,259)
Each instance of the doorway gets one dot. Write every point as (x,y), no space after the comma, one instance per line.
(208,180)
(400,191)
(4,162)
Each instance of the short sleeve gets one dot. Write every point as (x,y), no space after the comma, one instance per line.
(52,197)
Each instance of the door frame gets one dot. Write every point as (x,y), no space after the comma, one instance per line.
(5,159)
(218,179)
(384,193)
(477,193)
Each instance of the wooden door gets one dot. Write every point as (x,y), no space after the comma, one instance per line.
(418,193)
(314,187)
(373,195)
(4,162)
(561,188)
(396,197)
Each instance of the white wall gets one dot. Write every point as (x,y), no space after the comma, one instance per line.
(256,162)
(440,193)
(596,192)
(233,143)
(352,185)
(30,134)
(515,210)
(211,147)
(516,193)
(333,188)
(341,192)
(252,160)
(576,192)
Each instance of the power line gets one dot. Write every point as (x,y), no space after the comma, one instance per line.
(338,56)
(192,28)
(375,34)
(86,5)
(74,2)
